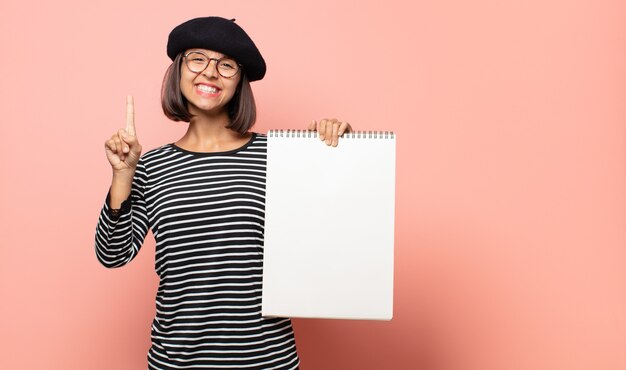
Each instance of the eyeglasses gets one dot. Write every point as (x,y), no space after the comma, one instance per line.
(197,62)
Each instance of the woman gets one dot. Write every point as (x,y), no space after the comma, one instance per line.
(203,198)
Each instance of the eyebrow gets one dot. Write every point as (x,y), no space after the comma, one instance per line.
(202,51)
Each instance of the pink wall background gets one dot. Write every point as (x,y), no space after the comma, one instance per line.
(511,173)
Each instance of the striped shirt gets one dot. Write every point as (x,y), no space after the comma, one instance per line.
(206,212)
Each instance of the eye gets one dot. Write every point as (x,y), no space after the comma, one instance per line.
(228,64)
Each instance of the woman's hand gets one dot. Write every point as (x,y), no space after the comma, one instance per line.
(123,149)
(330,130)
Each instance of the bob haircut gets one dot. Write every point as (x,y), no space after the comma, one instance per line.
(241,107)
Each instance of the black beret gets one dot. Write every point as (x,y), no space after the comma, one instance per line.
(221,35)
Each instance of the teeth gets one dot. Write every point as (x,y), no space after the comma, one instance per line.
(208,89)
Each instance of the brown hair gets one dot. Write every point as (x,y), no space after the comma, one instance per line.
(241,107)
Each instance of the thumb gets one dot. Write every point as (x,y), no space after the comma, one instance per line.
(132,141)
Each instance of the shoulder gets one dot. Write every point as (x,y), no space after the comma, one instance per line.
(259,135)
(258,139)
(257,145)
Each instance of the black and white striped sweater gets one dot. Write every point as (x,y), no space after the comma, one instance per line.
(206,212)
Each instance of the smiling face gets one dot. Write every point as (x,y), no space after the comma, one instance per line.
(207,91)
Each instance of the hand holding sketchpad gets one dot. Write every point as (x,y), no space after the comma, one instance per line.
(329,226)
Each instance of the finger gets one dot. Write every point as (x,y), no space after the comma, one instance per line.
(312,126)
(124,138)
(335,135)
(122,147)
(130,115)
(345,127)
(132,143)
(112,145)
(118,145)
(109,145)
(322,129)
(109,149)
(329,131)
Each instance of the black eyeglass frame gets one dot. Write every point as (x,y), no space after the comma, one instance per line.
(217,62)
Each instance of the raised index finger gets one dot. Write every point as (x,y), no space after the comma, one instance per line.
(130,115)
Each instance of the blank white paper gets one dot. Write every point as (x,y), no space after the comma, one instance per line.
(329,226)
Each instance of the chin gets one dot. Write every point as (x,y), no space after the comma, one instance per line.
(207,108)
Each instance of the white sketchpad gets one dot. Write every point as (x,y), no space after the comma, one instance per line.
(329,226)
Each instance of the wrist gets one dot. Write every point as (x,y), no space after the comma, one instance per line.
(121,186)
(124,176)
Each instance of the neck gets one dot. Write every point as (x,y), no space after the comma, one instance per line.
(207,125)
(207,131)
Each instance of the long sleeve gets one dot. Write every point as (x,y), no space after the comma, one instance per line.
(118,240)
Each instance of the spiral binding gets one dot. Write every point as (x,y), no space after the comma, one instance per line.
(350,135)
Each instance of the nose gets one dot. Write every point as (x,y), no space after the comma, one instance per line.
(211,70)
